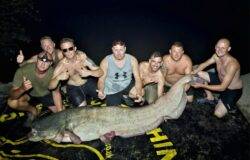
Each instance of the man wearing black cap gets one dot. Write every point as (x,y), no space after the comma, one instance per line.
(31,83)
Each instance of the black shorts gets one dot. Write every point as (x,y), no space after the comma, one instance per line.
(78,94)
(190,91)
(117,98)
(228,97)
(214,78)
(46,100)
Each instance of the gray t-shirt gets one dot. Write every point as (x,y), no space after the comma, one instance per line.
(117,78)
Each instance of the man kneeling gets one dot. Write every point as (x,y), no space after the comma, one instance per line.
(31,82)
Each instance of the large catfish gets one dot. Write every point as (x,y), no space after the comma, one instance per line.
(89,123)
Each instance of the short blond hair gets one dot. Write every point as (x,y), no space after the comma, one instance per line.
(64,40)
(46,38)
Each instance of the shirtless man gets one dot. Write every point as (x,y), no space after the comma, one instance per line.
(31,83)
(119,69)
(47,45)
(75,68)
(176,65)
(152,77)
(227,82)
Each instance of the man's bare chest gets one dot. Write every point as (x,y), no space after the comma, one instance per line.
(221,68)
(176,69)
(75,68)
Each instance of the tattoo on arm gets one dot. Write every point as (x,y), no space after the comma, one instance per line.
(90,62)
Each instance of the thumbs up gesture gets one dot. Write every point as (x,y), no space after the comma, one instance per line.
(26,84)
(20,57)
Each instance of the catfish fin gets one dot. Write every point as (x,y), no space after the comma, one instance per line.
(73,137)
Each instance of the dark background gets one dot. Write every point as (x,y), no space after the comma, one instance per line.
(145,26)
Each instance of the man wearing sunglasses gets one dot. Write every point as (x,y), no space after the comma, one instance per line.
(30,84)
(47,45)
(77,69)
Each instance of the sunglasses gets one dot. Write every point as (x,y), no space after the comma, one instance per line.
(68,49)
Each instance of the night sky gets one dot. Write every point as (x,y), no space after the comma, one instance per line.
(146,26)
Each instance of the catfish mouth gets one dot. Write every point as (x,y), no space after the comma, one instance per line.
(33,136)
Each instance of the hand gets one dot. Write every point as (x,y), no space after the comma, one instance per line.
(26,84)
(138,99)
(195,71)
(84,72)
(197,79)
(101,95)
(20,57)
(63,76)
(197,85)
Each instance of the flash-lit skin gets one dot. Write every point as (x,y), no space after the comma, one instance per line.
(228,69)
(47,45)
(42,67)
(73,68)
(175,65)
(19,99)
(150,72)
(119,54)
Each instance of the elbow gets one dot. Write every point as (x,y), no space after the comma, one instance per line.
(51,86)
(97,73)
(221,89)
(100,72)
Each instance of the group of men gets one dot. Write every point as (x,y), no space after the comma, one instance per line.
(120,78)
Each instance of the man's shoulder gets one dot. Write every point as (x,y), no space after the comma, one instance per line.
(187,60)
(81,55)
(132,58)
(62,61)
(27,66)
(143,66)
(79,52)
(186,57)
(166,58)
(144,63)
(233,62)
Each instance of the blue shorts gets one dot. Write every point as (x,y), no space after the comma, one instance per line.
(229,97)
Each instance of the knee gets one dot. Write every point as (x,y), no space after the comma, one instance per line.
(82,104)
(219,114)
(12,103)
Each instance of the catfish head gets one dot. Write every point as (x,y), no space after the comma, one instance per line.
(40,131)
